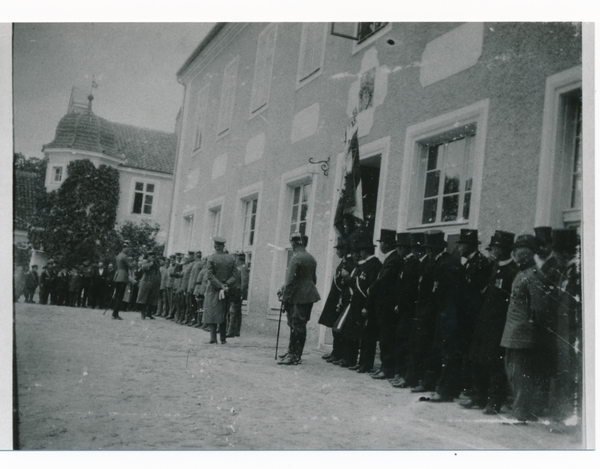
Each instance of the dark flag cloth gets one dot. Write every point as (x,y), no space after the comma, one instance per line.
(350,202)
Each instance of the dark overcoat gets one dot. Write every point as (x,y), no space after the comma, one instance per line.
(122,266)
(300,279)
(352,322)
(381,299)
(485,346)
(149,287)
(407,290)
(219,272)
(447,280)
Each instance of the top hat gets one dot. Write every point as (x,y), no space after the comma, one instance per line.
(363,240)
(544,234)
(435,239)
(403,239)
(387,236)
(468,237)
(417,239)
(219,239)
(526,241)
(565,239)
(340,243)
(503,239)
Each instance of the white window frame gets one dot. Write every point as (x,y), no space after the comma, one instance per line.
(302,77)
(227,104)
(358,46)
(155,197)
(201,113)
(290,180)
(410,202)
(263,75)
(212,206)
(53,175)
(557,85)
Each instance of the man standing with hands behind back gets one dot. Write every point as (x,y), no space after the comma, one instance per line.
(299,294)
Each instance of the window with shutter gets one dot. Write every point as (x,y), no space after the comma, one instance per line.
(263,69)
(227,96)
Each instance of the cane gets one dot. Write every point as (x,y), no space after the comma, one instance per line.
(278,329)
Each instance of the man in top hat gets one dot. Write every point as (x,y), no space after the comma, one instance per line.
(407,286)
(121,278)
(486,356)
(359,333)
(567,337)
(330,311)
(380,303)
(446,298)
(526,360)
(476,273)
(220,274)
(299,295)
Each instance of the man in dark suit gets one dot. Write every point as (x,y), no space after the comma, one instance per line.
(299,295)
(99,278)
(31,283)
(121,278)
(381,303)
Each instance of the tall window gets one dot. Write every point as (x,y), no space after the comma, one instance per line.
(57,172)
(249,223)
(366,30)
(227,96)
(299,208)
(188,226)
(571,150)
(312,51)
(447,175)
(263,68)
(215,222)
(201,116)
(143,198)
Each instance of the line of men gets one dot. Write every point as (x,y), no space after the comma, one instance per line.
(88,285)
(487,329)
(190,290)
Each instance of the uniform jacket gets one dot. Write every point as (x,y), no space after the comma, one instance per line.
(164,277)
(176,275)
(31,281)
(529,304)
(352,322)
(300,279)
(194,271)
(446,284)
(171,271)
(219,273)
(244,281)
(201,282)
(185,277)
(423,328)
(330,311)
(485,345)
(122,266)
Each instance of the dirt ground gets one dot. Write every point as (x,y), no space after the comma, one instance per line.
(87,382)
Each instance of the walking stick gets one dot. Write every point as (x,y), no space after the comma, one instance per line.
(278,329)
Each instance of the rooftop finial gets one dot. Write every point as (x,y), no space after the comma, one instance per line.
(90,98)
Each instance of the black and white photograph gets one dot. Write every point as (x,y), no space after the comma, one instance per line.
(299,235)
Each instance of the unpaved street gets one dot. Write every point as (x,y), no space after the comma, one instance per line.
(89,383)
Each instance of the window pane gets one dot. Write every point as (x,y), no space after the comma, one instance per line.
(305,193)
(577,188)
(452,180)
(467,206)
(137,202)
(149,187)
(302,228)
(455,152)
(429,211)
(432,157)
(139,186)
(296,195)
(303,212)
(294,214)
(432,184)
(450,208)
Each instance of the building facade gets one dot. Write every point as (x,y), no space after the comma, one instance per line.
(474,125)
(144,158)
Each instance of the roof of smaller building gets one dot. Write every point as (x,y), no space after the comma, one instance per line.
(137,147)
(23,200)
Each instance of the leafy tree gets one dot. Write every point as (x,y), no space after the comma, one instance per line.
(142,239)
(31,164)
(76,221)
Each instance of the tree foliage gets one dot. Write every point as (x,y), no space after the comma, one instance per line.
(141,236)
(31,164)
(76,221)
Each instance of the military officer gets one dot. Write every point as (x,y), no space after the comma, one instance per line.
(220,275)
(299,295)
(525,360)
(121,278)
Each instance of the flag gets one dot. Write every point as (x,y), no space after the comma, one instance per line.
(351,201)
(94,84)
